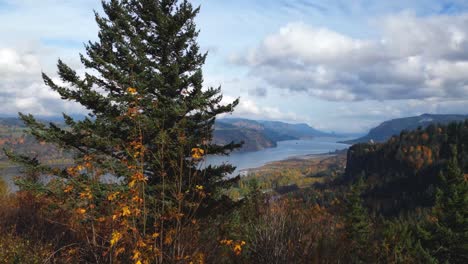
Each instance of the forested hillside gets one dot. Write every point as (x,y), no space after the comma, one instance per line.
(137,187)
(393,127)
(403,173)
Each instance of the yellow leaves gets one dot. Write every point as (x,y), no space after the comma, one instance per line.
(237,249)
(126,211)
(226,242)
(136,255)
(155,235)
(137,177)
(235,246)
(131,184)
(199,187)
(81,211)
(169,237)
(116,236)
(119,251)
(86,194)
(131,90)
(141,244)
(112,196)
(197,153)
(138,148)
(199,258)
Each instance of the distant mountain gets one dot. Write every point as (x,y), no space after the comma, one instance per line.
(301,131)
(393,127)
(256,135)
(261,134)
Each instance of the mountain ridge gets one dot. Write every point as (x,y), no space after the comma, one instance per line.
(256,134)
(392,127)
(259,134)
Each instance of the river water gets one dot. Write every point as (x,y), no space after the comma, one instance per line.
(247,160)
(284,150)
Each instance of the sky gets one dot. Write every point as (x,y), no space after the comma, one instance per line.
(337,65)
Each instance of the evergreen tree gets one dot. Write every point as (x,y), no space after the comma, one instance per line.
(146,61)
(445,237)
(150,119)
(357,224)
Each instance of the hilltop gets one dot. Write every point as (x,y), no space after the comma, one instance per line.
(393,127)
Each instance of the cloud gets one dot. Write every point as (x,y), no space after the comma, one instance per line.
(22,89)
(258,91)
(248,108)
(414,58)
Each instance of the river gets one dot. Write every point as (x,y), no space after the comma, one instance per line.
(247,160)
(284,150)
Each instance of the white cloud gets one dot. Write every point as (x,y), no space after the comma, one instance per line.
(247,108)
(22,88)
(415,58)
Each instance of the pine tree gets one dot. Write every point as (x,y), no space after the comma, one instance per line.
(357,224)
(445,237)
(150,120)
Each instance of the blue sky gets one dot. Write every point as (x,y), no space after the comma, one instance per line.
(341,66)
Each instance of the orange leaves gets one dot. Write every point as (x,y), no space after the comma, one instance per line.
(81,211)
(132,111)
(135,178)
(131,90)
(137,148)
(72,171)
(236,246)
(197,153)
(418,156)
(169,237)
(425,137)
(68,189)
(86,194)
(226,242)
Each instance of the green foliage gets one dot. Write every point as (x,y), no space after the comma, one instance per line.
(445,234)
(16,250)
(149,127)
(402,173)
(147,53)
(358,224)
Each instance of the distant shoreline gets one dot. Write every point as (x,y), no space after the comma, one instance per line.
(318,156)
